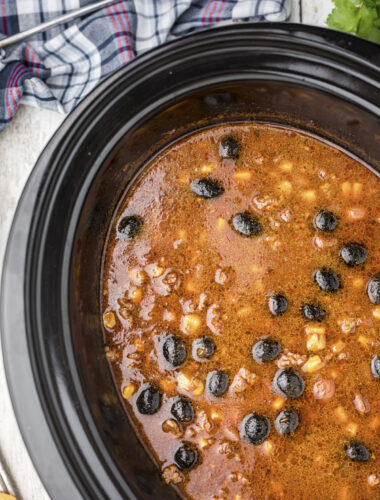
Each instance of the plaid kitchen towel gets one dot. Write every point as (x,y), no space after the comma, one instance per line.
(56,69)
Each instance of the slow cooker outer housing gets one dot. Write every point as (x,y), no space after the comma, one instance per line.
(68,408)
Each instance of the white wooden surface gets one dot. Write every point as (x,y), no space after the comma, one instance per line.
(20,146)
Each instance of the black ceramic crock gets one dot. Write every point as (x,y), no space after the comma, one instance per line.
(70,414)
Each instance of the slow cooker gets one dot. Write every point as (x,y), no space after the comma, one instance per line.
(77,431)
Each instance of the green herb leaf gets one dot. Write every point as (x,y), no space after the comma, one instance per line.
(361,17)
(344,19)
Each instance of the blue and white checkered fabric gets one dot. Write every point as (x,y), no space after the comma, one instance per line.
(58,68)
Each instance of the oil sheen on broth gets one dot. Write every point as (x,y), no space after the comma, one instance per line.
(241,308)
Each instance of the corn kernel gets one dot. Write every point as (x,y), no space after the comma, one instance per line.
(313,364)
(190,384)
(365,341)
(376,312)
(340,414)
(199,387)
(216,415)
(190,323)
(244,311)
(286,165)
(285,187)
(357,189)
(109,319)
(268,447)
(358,282)
(221,223)
(184,382)
(316,342)
(243,175)
(203,443)
(136,295)
(346,188)
(157,271)
(128,391)
(352,428)
(191,287)
(338,346)
(309,195)
(278,403)
(316,329)
(182,234)
(206,169)
(139,345)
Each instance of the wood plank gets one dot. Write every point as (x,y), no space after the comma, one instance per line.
(315,11)
(296,11)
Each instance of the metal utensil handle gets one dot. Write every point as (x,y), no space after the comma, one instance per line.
(23,35)
(5,481)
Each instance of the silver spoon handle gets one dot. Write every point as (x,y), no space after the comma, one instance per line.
(23,35)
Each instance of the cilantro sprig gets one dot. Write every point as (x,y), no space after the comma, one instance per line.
(361,17)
